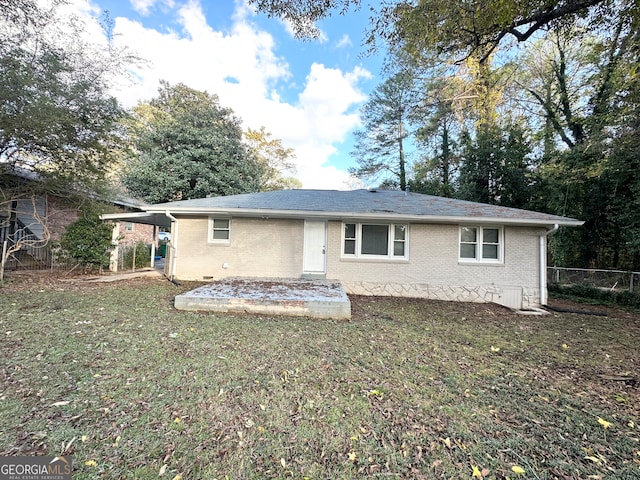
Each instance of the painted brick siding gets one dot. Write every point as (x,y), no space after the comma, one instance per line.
(274,248)
(433,258)
(257,248)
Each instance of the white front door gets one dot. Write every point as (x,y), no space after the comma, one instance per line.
(315,247)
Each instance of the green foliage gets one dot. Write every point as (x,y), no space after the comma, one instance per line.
(140,253)
(274,160)
(55,106)
(453,31)
(495,167)
(379,145)
(88,240)
(188,146)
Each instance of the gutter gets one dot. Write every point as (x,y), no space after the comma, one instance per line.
(373,215)
(174,244)
(543,264)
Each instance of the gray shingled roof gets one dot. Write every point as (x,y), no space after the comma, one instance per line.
(367,204)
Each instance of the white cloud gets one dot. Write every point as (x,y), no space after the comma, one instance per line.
(345,41)
(143,7)
(242,67)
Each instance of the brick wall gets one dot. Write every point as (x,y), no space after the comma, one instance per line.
(132,233)
(60,213)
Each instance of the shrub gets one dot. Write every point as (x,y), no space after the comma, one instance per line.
(88,241)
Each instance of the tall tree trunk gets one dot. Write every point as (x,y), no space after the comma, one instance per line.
(403,173)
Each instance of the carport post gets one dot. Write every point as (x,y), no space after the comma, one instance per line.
(113,257)
(153,246)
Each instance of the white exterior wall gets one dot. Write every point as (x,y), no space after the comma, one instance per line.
(433,270)
(257,248)
(274,248)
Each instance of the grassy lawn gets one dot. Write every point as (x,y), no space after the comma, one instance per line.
(132,388)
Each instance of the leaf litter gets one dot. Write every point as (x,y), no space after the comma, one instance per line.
(407,388)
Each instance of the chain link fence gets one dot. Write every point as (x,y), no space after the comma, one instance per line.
(613,280)
(133,257)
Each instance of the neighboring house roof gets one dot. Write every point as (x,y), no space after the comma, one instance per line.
(359,204)
(117,198)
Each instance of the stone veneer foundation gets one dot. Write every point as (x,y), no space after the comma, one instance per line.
(512,297)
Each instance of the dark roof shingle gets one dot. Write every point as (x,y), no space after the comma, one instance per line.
(384,204)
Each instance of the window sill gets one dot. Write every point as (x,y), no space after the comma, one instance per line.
(373,260)
(480,263)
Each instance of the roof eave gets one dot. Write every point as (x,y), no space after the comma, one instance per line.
(300,214)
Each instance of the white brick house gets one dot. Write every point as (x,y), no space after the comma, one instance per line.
(374,242)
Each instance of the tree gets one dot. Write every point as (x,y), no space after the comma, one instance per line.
(452,30)
(273,158)
(380,144)
(436,172)
(59,126)
(188,146)
(57,117)
(303,14)
(580,95)
(495,167)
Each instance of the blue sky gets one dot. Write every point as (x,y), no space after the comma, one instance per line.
(306,93)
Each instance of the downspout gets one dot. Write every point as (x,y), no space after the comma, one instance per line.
(543,264)
(174,242)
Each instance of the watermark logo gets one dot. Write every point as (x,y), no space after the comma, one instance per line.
(36,468)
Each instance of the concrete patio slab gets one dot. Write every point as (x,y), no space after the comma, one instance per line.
(294,297)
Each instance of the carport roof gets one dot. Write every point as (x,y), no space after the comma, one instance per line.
(147,218)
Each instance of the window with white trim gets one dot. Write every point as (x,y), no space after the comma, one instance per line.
(219,230)
(375,240)
(481,244)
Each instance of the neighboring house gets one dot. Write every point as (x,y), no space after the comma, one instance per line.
(42,217)
(374,242)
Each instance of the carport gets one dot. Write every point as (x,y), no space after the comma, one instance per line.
(145,218)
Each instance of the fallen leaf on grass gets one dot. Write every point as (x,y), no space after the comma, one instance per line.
(163,469)
(447,442)
(177,477)
(604,423)
(352,456)
(517,470)
(60,404)
(594,459)
(91,463)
